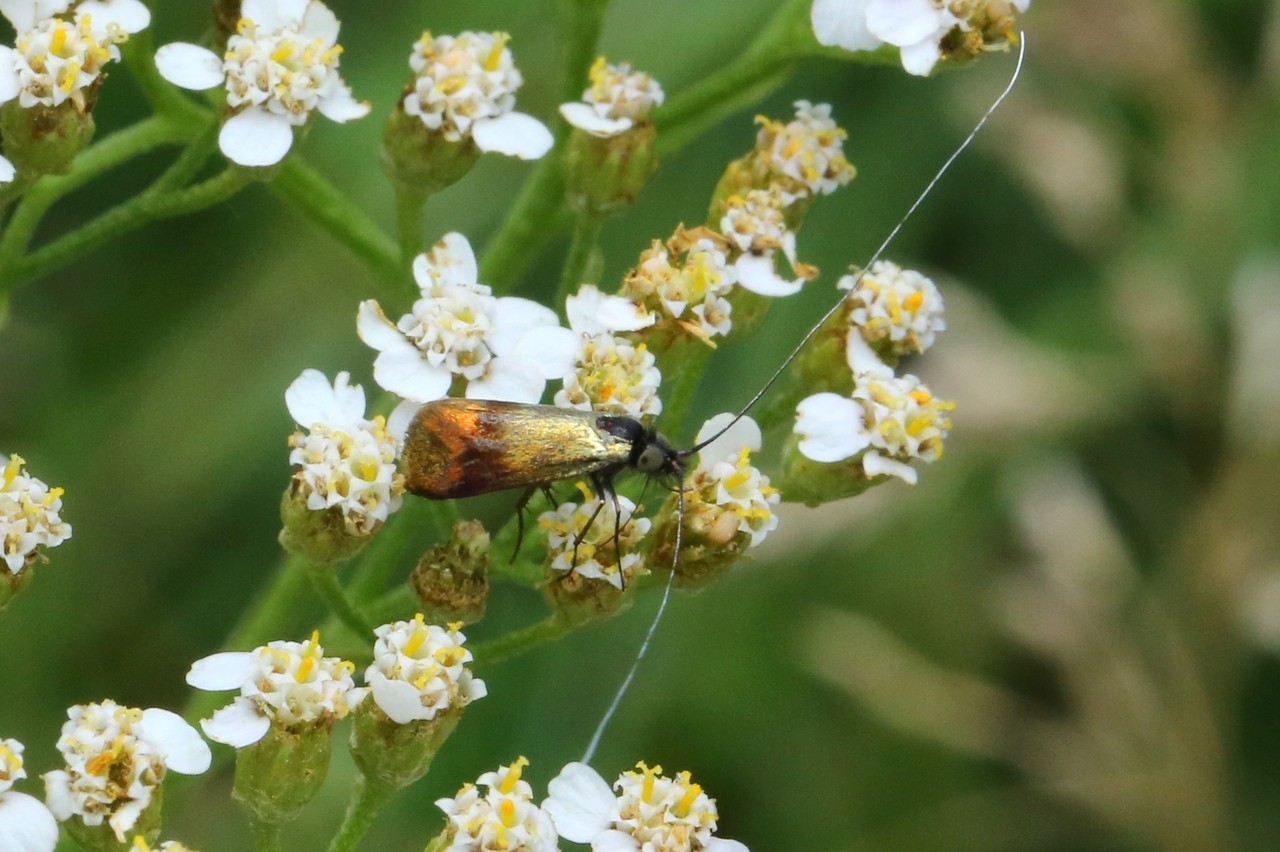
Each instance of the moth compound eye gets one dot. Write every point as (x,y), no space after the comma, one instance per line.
(652,459)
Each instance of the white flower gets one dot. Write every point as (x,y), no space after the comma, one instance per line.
(419,670)
(279,66)
(465,88)
(809,150)
(56,59)
(756,224)
(115,758)
(607,373)
(581,538)
(890,420)
(917,27)
(725,494)
(343,459)
(650,813)
(616,99)
(289,683)
(687,284)
(503,818)
(504,348)
(7,171)
(26,825)
(30,516)
(895,310)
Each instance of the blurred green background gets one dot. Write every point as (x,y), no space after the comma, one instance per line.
(1064,638)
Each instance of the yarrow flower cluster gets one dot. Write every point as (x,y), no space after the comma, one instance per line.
(464,88)
(581,538)
(649,813)
(458,329)
(806,154)
(503,817)
(725,495)
(115,758)
(890,420)
(25,823)
(756,224)
(30,516)
(605,372)
(615,101)
(896,311)
(342,461)
(60,59)
(685,281)
(290,684)
(419,671)
(279,66)
(925,31)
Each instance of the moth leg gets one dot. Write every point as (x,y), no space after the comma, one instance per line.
(520,507)
(604,487)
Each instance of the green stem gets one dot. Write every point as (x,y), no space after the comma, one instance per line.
(367,799)
(409,205)
(324,579)
(322,203)
(510,251)
(581,21)
(266,835)
(582,250)
(14,189)
(517,642)
(189,162)
(129,216)
(119,147)
(387,553)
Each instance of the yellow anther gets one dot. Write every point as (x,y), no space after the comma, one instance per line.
(283,52)
(585,491)
(58,40)
(70,74)
(681,808)
(495,56)
(513,775)
(507,813)
(921,396)
(305,666)
(914,301)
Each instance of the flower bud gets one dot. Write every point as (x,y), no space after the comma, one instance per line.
(320,537)
(45,140)
(420,160)
(603,176)
(452,579)
(814,483)
(280,773)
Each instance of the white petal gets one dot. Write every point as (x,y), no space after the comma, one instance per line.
(226,670)
(7,172)
(715,844)
(580,803)
(26,825)
(919,58)
(132,16)
(408,376)
(450,261)
(830,427)
(25,14)
(340,106)
(239,724)
(376,330)
(615,841)
(189,66)
(756,273)
(514,134)
(862,359)
(273,14)
(399,700)
(549,350)
(508,381)
(593,312)
(842,23)
(904,22)
(874,464)
(584,117)
(400,417)
(744,433)
(512,318)
(312,399)
(318,22)
(184,751)
(256,137)
(10,83)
